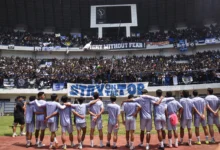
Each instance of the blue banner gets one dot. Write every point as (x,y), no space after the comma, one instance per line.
(182,46)
(105,90)
(58,86)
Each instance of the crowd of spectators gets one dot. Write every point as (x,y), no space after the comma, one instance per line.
(8,36)
(202,67)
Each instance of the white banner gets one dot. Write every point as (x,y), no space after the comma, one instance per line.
(105,90)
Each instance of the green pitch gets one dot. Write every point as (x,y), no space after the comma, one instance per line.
(7,121)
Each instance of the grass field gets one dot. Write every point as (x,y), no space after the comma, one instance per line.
(7,121)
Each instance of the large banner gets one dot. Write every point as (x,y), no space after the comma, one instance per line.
(105,90)
(131,45)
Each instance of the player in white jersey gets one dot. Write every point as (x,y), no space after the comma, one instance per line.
(80,113)
(40,124)
(51,107)
(200,105)
(186,116)
(129,114)
(65,122)
(95,112)
(213,105)
(30,121)
(113,121)
(174,109)
(146,101)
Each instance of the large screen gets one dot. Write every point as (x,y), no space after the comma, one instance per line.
(116,14)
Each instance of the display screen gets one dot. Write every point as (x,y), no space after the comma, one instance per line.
(116,14)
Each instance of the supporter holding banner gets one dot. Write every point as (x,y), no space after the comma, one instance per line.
(117,89)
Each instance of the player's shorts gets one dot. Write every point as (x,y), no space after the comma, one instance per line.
(186,123)
(198,121)
(40,125)
(146,124)
(68,128)
(160,124)
(29,127)
(213,120)
(130,123)
(53,127)
(98,123)
(19,121)
(170,127)
(79,126)
(111,127)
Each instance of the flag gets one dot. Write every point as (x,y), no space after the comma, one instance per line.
(87,46)
(57,35)
(46,44)
(62,37)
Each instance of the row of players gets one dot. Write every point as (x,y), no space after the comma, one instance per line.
(167,112)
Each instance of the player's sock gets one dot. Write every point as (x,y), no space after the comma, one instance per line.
(51,143)
(92,144)
(161,144)
(37,141)
(198,138)
(55,140)
(176,142)
(213,138)
(181,140)
(101,142)
(206,138)
(170,142)
(190,142)
(114,143)
(28,141)
(164,141)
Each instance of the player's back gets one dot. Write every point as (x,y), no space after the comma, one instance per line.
(81,110)
(113,112)
(146,104)
(51,107)
(30,117)
(130,108)
(213,102)
(40,109)
(173,106)
(188,105)
(65,116)
(199,103)
(96,108)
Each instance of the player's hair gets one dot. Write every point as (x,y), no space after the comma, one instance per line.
(130,96)
(40,94)
(81,100)
(210,90)
(96,95)
(169,94)
(185,93)
(113,98)
(18,97)
(195,93)
(144,91)
(53,97)
(64,99)
(159,92)
(32,98)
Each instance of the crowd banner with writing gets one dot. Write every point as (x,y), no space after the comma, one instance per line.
(8,83)
(105,90)
(158,43)
(210,41)
(58,86)
(131,45)
(11,46)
